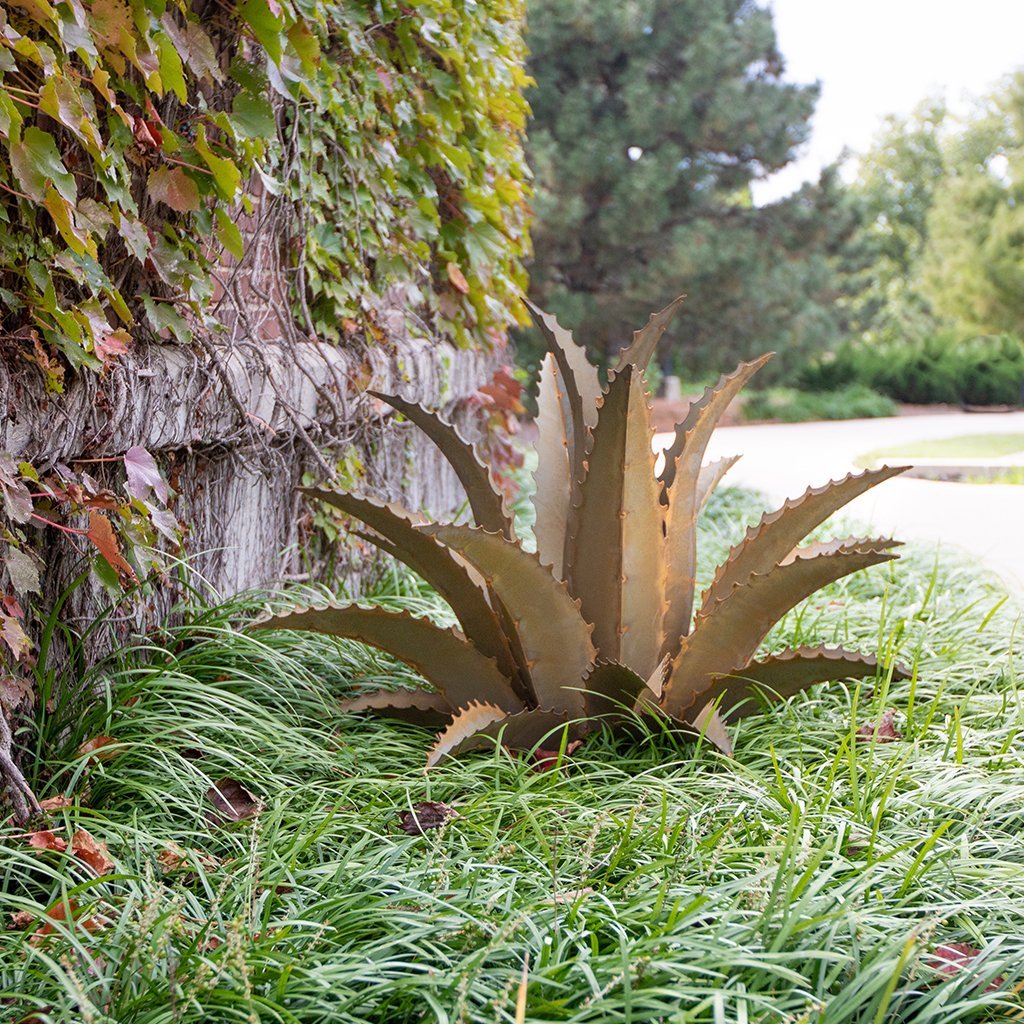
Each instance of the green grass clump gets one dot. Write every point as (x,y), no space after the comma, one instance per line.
(788,405)
(650,879)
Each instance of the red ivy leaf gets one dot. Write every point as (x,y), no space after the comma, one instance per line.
(14,636)
(101,533)
(108,345)
(143,475)
(174,188)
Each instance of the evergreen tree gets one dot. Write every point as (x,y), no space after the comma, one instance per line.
(650,120)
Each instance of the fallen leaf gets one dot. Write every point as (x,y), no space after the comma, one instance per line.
(232,800)
(20,919)
(458,279)
(47,840)
(882,731)
(175,858)
(952,958)
(546,760)
(92,852)
(570,895)
(144,475)
(97,747)
(55,803)
(423,817)
(59,912)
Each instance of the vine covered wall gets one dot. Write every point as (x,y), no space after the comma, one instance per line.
(148,149)
(220,222)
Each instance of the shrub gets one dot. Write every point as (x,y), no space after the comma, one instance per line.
(853,401)
(941,369)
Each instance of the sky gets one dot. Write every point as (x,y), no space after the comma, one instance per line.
(879,57)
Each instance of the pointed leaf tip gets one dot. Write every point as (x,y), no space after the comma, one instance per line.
(462,729)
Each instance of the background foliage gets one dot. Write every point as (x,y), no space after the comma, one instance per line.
(140,141)
(935,274)
(650,121)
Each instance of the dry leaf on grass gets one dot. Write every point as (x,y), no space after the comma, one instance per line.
(92,852)
(47,840)
(547,760)
(953,958)
(100,748)
(55,803)
(232,801)
(882,731)
(58,912)
(176,858)
(423,817)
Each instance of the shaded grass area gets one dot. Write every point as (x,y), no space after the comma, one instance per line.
(651,879)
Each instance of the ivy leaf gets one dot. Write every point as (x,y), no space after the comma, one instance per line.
(194,47)
(252,116)
(162,316)
(108,345)
(70,106)
(23,571)
(229,235)
(457,278)
(102,535)
(35,160)
(174,188)
(111,24)
(144,475)
(172,75)
(14,690)
(226,175)
(266,26)
(14,636)
(63,214)
(17,499)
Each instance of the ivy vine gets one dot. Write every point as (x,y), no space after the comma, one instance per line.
(136,137)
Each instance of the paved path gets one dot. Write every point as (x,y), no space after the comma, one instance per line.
(987,521)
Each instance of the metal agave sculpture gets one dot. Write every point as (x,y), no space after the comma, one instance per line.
(598,623)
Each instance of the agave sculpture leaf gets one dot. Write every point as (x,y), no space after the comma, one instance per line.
(598,623)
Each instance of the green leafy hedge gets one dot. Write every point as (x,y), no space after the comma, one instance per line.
(140,139)
(945,368)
